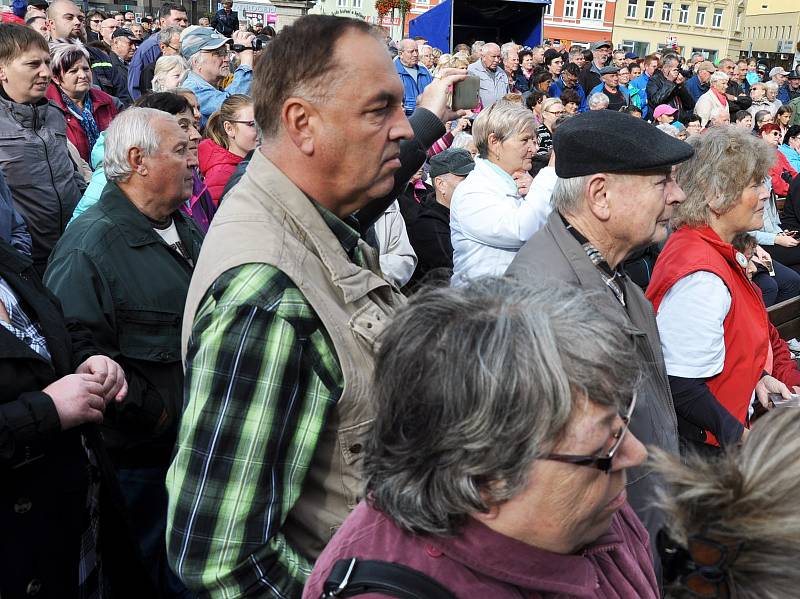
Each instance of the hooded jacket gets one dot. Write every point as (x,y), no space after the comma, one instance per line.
(34,159)
(216,165)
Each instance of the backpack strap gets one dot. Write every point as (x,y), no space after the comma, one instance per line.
(353,577)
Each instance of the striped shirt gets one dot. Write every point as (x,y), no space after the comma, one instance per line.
(22,327)
(261,379)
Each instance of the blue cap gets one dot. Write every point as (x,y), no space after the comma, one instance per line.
(631,56)
(195,39)
(18,7)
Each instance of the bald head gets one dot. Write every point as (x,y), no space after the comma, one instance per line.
(408,53)
(490,56)
(65,20)
(107,27)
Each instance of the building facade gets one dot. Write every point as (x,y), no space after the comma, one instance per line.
(361,9)
(579,21)
(771,31)
(710,27)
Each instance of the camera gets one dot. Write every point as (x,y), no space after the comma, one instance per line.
(256,45)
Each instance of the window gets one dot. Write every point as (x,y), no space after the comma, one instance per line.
(341,2)
(638,48)
(700,19)
(708,54)
(649,6)
(666,11)
(569,9)
(738,21)
(356,3)
(593,9)
(632,9)
(548,10)
(683,16)
(716,20)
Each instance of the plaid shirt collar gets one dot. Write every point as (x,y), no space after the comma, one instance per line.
(612,277)
(345,230)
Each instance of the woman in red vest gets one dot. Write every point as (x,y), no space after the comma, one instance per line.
(713,327)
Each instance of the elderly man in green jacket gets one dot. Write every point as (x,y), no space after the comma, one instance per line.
(123,270)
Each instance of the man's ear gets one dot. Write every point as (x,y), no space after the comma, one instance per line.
(597,196)
(136,161)
(302,123)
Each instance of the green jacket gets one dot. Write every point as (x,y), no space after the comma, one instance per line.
(114,274)
(795,106)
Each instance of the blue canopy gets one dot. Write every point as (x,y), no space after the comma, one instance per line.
(490,20)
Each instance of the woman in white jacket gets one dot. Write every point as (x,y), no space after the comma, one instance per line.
(489,219)
(714,99)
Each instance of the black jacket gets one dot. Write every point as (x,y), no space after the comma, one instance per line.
(44,469)
(429,235)
(107,76)
(661,90)
(225,23)
(114,274)
(791,208)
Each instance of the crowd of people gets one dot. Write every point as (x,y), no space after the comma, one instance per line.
(273,333)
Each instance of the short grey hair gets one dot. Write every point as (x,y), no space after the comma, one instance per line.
(504,119)
(668,129)
(718,76)
(64,54)
(165,35)
(506,48)
(462,140)
(488,46)
(726,160)
(164,66)
(597,100)
(474,383)
(770,85)
(568,194)
(748,494)
(132,128)
(476,46)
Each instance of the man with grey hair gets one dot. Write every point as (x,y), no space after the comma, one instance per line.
(509,53)
(426,56)
(608,202)
(598,101)
(414,76)
(493,81)
(122,270)
(209,58)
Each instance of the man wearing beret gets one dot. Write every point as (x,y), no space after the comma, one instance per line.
(618,97)
(614,194)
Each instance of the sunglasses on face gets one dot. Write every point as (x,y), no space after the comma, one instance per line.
(601,462)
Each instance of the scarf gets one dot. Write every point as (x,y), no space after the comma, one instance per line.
(85,117)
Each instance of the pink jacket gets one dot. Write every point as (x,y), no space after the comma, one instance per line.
(482,563)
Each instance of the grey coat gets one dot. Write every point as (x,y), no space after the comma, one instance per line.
(553,253)
(36,164)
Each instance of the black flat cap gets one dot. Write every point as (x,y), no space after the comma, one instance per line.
(605,141)
(457,161)
(122,32)
(609,70)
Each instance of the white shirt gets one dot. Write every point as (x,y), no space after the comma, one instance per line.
(397,257)
(490,222)
(690,323)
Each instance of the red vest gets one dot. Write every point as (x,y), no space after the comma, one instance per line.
(690,250)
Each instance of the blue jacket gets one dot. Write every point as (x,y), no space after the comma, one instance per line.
(695,88)
(640,83)
(210,98)
(147,53)
(598,89)
(411,88)
(13,229)
(783,93)
(555,89)
(792,156)
(98,182)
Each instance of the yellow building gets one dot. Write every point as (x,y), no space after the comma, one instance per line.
(772,29)
(710,27)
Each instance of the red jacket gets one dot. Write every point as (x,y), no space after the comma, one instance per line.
(216,165)
(747,337)
(779,186)
(104,111)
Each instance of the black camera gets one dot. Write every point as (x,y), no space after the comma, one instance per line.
(256,45)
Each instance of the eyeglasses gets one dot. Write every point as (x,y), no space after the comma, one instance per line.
(555,112)
(601,462)
(96,20)
(221,52)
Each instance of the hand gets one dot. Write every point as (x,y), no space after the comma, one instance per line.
(78,399)
(767,385)
(762,255)
(244,38)
(462,123)
(786,241)
(523,180)
(434,98)
(115,387)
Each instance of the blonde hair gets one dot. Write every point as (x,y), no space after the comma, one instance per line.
(215,127)
(748,495)
(166,65)
(726,160)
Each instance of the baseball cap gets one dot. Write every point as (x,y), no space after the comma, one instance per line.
(631,56)
(600,44)
(195,39)
(777,71)
(663,109)
(456,161)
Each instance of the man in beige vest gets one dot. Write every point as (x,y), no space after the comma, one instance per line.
(283,313)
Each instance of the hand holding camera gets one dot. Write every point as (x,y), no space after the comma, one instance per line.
(243,45)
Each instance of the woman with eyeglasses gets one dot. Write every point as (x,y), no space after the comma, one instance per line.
(713,326)
(499,468)
(230,135)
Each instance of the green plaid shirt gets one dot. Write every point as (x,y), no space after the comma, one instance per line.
(261,378)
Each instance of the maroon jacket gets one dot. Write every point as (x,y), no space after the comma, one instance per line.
(482,563)
(104,111)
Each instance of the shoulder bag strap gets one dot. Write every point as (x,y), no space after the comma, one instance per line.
(352,577)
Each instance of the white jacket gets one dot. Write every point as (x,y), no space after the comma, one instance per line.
(706,105)
(490,221)
(398,259)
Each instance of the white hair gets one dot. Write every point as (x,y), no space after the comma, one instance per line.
(771,85)
(506,48)
(598,100)
(668,129)
(166,65)
(503,119)
(133,128)
(718,76)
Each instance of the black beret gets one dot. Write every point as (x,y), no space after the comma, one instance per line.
(605,141)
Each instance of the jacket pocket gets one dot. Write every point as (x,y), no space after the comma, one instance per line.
(368,322)
(149,335)
(352,440)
